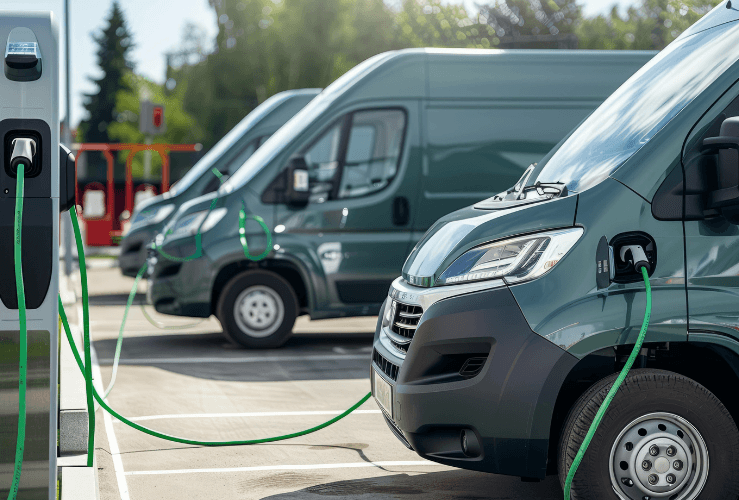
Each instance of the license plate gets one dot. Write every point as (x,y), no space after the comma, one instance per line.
(384,394)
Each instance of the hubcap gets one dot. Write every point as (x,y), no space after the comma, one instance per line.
(259,311)
(660,455)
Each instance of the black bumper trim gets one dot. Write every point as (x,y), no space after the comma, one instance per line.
(509,403)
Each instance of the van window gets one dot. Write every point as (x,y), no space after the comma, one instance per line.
(228,167)
(373,151)
(322,158)
(356,156)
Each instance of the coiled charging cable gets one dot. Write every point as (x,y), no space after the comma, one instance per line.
(614,388)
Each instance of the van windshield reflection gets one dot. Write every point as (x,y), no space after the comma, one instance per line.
(640,108)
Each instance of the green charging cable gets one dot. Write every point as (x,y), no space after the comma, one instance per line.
(175,439)
(242,234)
(245,247)
(92,392)
(23,358)
(614,388)
(86,337)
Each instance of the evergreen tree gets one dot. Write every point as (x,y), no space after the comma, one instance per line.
(114,42)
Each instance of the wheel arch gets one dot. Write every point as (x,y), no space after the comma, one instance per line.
(286,269)
(710,361)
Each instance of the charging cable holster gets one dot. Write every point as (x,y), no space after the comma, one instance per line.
(20,138)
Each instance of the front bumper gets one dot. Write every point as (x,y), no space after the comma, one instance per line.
(506,405)
(134,250)
(180,286)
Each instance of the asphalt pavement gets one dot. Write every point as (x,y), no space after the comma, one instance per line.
(191,382)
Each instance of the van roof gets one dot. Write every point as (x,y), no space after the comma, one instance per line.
(499,74)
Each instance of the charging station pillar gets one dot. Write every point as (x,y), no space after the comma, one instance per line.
(29,109)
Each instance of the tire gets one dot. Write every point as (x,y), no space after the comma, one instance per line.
(257,310)
(662,405)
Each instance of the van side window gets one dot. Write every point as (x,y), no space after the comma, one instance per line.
(373,151)
(228,166)
(322,158)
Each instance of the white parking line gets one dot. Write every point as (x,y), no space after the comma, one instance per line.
(282,467)
(254,359)
(253,414)
(115,452)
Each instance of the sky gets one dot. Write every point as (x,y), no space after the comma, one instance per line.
(157,27)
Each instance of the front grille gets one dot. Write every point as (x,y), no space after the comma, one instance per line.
(405,321)
(388,368)
(401,347)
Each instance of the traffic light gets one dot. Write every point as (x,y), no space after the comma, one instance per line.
(151,118)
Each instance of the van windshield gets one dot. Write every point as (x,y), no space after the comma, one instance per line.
(633,114)
(227,142)
(297,124)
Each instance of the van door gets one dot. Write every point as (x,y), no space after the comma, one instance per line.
(357,222)
(711,244)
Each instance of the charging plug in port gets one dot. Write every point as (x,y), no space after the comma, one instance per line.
(23,148)
(633,251)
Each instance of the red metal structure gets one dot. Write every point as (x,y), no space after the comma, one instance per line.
(100,229)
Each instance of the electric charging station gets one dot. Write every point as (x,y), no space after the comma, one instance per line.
(29,139)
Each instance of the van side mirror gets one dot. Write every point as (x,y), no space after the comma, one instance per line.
(298,186)
(726,146)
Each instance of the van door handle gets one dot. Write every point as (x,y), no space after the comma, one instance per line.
(401,211)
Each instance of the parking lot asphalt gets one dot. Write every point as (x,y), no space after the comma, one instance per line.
(193,383)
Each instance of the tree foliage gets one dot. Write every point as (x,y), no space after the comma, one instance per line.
(181,127)
(114,42)
(433,23)
(651,25)
(267,46)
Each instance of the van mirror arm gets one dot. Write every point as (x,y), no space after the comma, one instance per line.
(712,145)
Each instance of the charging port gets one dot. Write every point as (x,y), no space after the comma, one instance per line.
(624,271)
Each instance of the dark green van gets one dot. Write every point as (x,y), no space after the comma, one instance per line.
(514,316)
(227,155)
(350,184)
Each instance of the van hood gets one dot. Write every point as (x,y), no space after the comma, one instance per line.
(469,227)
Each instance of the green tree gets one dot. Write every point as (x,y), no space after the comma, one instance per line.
(533,23)
(267,46)
(433,23)
(651,25)
(114,42)
(181,127)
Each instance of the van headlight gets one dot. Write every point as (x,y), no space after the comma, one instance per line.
(517,259)
(190,224)
(151,215)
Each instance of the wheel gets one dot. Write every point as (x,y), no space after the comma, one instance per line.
(257,309)
(664,436)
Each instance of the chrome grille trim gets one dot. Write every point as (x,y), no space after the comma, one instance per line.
(408,326)
(403,292)
(398,339)
(409,315)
